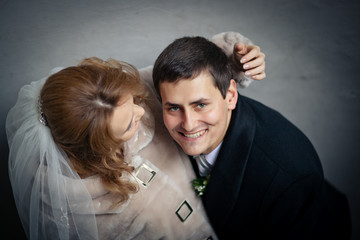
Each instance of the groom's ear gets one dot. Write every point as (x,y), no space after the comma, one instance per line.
(232,95)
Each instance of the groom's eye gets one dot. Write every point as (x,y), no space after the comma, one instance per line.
(174,109)
(201,105)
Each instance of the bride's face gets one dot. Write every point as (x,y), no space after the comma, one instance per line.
(125,119)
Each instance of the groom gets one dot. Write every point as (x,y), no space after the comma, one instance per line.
(266,180)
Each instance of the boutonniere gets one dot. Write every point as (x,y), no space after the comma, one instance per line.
(199,185)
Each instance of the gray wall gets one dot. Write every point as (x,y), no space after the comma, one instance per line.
(312,49)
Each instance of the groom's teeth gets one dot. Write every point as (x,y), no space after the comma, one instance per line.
(195,135)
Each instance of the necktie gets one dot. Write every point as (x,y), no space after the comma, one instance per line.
(203,164)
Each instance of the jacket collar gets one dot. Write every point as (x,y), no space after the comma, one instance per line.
(228,172)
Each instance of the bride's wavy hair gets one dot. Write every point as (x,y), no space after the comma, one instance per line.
(77,103)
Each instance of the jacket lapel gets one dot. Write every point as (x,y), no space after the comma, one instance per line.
(228,172)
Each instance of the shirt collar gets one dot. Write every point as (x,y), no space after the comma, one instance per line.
(211,157)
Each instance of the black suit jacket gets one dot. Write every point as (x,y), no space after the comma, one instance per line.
(268,183)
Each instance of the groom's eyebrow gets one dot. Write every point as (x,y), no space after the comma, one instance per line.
(169,104)
(201,100)
(198,101)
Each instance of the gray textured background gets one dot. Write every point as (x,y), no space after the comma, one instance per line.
(312,49)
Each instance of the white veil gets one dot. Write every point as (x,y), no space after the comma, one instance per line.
(51,199)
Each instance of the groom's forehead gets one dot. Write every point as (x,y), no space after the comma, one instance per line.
(189,91)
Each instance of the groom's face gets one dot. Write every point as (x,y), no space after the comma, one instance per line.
(195,113)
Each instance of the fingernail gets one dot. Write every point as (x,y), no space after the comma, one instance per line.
(247,73)
(243,60)
(246,66)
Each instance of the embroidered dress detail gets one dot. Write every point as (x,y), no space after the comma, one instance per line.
(184,211)
(144,174)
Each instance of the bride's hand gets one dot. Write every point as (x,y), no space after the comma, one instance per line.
(250,59)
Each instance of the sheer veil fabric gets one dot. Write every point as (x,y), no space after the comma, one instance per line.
(52,201)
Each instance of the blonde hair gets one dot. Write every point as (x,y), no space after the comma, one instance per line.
(77,103)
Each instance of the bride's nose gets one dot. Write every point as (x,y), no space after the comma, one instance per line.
(140,111)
